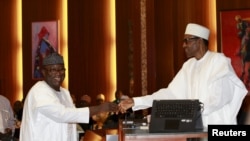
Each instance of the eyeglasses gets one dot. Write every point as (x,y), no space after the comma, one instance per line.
(187,40)
(55,70)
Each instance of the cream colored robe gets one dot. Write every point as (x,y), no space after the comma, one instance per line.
(212,80)
(47,117)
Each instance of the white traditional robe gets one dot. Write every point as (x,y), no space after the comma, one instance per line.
(50,115)
(212,80)
(7,119)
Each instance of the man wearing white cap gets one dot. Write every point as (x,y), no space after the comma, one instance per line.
(207,76)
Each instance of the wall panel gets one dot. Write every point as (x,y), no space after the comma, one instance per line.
(166,23)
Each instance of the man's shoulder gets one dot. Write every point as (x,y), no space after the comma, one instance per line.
(4,98)
(211,57)
(218,56)
(38,86)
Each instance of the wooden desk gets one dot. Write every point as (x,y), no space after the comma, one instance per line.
(144,135)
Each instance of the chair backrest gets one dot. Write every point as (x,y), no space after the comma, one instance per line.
(112,135)
(92,136)
(247,118)
(243,116)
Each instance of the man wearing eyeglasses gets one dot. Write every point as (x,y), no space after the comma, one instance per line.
(49,113)
(207,76)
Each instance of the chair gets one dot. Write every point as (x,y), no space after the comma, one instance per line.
(247,118)
(244,113)
(92,136)
(112,135)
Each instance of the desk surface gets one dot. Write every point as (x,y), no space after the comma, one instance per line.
(134,132)
(137,134)
(144,135)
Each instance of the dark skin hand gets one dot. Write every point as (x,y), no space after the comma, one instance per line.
(104,107)
(8,131)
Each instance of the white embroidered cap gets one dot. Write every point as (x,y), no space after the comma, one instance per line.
(197,30)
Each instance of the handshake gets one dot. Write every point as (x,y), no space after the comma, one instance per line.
(112,107)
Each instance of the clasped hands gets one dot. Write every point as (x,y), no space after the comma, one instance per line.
(122,107)
(125,104)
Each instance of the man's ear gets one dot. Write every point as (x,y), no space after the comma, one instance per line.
(43,71)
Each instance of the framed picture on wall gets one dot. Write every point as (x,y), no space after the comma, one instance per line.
(235,41)
(44,41)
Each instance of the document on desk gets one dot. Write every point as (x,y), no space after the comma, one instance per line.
(111,137)
(135,124)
